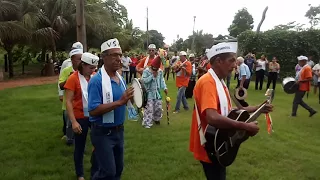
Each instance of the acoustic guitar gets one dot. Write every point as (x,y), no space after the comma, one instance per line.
(224,144)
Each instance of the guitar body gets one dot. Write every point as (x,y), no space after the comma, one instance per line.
(223,145)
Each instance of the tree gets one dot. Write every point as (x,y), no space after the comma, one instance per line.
(155,38)
(313,14)
(290,26)
(242,21)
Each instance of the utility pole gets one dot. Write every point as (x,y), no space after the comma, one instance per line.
(147,28)
(194,22)
(81,24)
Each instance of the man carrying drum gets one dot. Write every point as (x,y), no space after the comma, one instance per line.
(303,78)
(107,99)
(153,81)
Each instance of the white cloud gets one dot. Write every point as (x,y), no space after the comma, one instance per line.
(173,17)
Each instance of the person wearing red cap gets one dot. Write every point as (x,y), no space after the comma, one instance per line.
(152,78)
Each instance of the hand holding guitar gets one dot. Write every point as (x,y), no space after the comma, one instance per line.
(252,128)
(268,108)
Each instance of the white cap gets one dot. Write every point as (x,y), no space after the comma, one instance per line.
(207,50)
(182,53)
(77,45)
(152,46)
(75,51)
(300,58)
(191,55)
(225,47)
(110,44)
(90,59)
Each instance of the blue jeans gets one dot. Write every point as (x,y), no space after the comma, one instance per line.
(181,97)
(79,146)
(69,131)
(108,150)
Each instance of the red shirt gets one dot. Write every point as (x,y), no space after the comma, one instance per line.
(134,62)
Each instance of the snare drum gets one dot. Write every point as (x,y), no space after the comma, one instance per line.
(289,85)
(140,94)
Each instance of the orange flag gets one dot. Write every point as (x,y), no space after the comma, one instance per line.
(269,123)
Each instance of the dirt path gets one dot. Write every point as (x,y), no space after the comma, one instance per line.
(28,82)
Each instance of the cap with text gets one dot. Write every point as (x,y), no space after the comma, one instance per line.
(225,47)
(90,59)
(75,51)
(152,46)
(77,45)
(110,44)
(301,58)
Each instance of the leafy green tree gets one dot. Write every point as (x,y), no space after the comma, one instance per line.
(243,21)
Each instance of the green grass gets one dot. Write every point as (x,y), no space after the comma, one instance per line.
(31,148)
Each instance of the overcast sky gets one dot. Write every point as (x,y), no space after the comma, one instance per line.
(175,17)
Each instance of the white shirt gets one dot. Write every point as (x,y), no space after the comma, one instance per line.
(125,63)
(66,63)
(262,65)
(316,68)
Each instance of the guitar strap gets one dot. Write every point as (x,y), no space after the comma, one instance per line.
(201,134)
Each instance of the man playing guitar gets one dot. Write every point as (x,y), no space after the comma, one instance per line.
(212,105)
(146,61)
(204,65)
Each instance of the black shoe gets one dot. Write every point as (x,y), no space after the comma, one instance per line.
(312,113)
(157,122)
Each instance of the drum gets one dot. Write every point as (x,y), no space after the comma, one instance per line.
(289,85)
(241,94)
(140,94)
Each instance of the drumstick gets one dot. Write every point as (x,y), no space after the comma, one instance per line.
(167,107)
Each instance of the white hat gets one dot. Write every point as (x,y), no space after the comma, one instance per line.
(75,51)
(207,50)
(110,44)
(191,55)
(300,58)
(225,47)
(90,59)
(182,53)
(77,45)
(152,46)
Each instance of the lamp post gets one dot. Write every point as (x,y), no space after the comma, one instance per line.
(194,22)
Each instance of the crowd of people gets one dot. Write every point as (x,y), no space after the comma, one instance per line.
(95,94)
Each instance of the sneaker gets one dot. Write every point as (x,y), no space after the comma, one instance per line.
(147,127)
(175,112)
(312,113)
(157,122)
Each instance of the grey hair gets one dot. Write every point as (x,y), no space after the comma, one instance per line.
(240,59)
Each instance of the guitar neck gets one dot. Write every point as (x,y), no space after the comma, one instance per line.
(254,116)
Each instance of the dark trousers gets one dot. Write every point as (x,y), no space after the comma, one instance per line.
(236,76)
(166,73)
(272,77)
(189,90)
(64,123)
(246,86)
(133,73)
(259,79)
(79,146)
(108,151)
(298,100)
(214,171)
(228,80)
(173,75)
(126,73)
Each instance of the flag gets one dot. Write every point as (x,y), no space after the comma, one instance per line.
(269,123)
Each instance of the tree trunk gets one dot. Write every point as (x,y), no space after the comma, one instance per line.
(22,67)
(262,19)
(81,24)
(10,62)
(1,74)
(6,63)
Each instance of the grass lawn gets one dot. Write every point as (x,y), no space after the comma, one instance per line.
(31,148)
